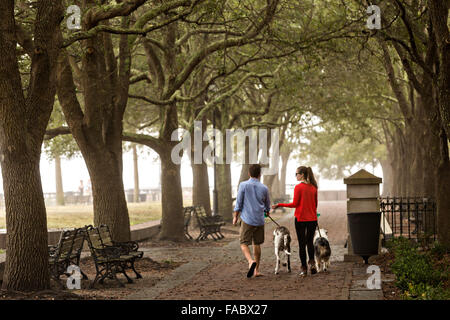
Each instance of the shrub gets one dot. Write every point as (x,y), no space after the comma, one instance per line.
(438,250)
(415,271)
(424,291)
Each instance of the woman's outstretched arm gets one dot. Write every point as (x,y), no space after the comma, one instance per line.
(295,202)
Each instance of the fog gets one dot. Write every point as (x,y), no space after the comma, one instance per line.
(74,170)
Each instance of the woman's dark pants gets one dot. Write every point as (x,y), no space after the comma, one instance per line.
(305,235)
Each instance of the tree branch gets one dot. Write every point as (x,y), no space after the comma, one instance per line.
(227,94)
(105,12)
(114,30)
(144,139)
(52,133)
(256,112)
(190,33)
(152,101)
(227,43)
(140,77)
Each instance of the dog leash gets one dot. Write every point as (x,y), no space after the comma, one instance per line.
(318,215)
(265,213)
(274,221)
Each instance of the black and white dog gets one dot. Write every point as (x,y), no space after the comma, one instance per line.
(282,243)
(322,250)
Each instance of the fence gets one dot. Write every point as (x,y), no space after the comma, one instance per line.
(71,197)
(410,217)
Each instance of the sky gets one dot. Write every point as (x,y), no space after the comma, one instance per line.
(75,170)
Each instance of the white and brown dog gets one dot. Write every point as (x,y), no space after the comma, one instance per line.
(322,250)
(282,243)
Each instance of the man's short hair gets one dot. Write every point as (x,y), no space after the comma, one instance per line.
(254,170)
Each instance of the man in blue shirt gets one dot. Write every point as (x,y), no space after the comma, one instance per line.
(251,202)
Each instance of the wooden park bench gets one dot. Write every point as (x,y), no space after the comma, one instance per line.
(209,225)
(111,257)
(66,252)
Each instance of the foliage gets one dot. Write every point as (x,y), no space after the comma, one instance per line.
(62,145)
(417,273)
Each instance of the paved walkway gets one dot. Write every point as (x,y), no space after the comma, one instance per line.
(219,272)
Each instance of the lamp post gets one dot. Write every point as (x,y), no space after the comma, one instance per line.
(215,200)
(214,89)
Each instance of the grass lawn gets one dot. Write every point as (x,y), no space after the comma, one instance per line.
(73,216)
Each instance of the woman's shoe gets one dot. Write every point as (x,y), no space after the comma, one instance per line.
(303,272)
(312,267)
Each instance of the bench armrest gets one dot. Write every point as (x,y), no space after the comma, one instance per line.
(127,245)
(217,218)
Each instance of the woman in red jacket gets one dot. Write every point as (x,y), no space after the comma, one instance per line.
(305,204)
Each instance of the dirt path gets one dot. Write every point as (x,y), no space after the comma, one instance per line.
(220,272)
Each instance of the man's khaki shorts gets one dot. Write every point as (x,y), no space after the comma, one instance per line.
(249,234)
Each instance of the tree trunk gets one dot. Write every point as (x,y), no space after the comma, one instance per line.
(200,192)
(439,11)
(246,165)
(200,178)
(388,178)
(431,146)
(401,174)
(399,168)
(276,187)
(23,121)
(417,169)
(223,170)
(98,128)
(244,173)
(442,194)
(415,162)
(172,226)
(408,159)
(136,174)
(108,194)
(27,253)
(224,194)
(59,182)
(172,220)
(268,180)
(284,163)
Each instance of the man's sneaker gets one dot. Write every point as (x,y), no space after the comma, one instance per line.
(312,267)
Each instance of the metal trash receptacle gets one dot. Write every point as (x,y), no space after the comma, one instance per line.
(364,230)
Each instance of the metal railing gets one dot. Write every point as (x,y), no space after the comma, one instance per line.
(410,217)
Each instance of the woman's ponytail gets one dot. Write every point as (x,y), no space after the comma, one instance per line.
(310,178)
(308,174)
